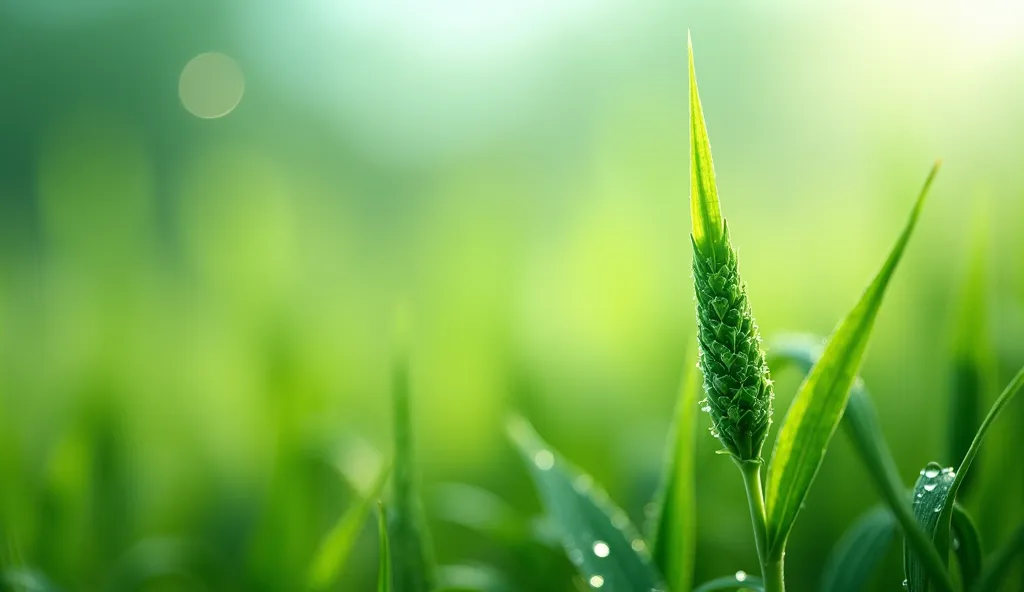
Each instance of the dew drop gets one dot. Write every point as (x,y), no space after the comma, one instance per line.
(937,509)
(741,576)
(596,581)
(931,471)
(583,483)
(638,545)
(544,460)
(930,486)
(601,549)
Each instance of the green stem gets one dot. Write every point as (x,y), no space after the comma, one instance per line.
(771,568)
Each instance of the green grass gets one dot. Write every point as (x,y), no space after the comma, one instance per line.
(583,539)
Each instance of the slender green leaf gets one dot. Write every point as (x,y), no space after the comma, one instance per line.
(734,583)
(706,214)
(856,556)
(411,553)
(860,422)
(384,559)
(999,564)
(674,519)
(932,489)
(967,546)
(598,537)
(818,406)
(336,545)
(941,532)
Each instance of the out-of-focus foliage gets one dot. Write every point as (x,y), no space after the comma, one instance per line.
(195,313)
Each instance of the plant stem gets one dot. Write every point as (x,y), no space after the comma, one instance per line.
(771,568)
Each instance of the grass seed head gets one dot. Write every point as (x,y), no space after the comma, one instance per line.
(736,379)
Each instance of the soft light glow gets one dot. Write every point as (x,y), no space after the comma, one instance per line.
(211,85)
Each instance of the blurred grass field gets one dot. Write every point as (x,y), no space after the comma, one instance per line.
(196,314)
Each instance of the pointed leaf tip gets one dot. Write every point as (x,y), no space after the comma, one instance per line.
(708,227)
(818,406)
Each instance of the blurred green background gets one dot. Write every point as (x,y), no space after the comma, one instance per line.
(196,313)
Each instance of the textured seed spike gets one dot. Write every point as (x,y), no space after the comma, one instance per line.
(736,380)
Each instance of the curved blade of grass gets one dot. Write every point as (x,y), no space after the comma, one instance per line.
(336,545)
(674,520)
(967,546)
(856,556)
(384,560)
(737,582)
(933,487)
(1000,563)
(815,412)
(708,226)
(941,532)
(411,553)
(598,537)
(860,421)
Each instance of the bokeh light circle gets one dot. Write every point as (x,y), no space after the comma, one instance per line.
(211,85)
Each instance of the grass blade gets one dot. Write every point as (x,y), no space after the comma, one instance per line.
(941,532)
(598,537)
(932,489)
(740,581)
(856,556)
(967,546)
(411,553)
(336,545)
(674,521)
(384,561)
(998,566)
(705,212)
(818,406)
(860,422)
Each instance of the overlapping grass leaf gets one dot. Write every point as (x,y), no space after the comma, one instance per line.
(336,545)
(941,531)
(999,565)
(598,537)
(860,421)
(967,546)
(856,556)
(384,557)
(818,406)
(411,552)
(673,532)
